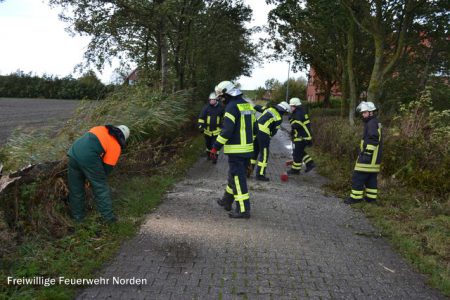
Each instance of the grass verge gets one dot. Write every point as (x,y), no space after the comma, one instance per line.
(418,230)
(82,253)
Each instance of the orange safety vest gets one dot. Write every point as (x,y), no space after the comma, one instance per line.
(109,144)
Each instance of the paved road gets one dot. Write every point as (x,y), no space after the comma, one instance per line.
(32,113)
(298,244)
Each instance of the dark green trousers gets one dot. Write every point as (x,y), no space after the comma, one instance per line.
(95,173)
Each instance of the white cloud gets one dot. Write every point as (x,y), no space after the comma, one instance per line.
(267,70)
(35,40)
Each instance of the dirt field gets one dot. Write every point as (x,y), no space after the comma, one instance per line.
(16,112)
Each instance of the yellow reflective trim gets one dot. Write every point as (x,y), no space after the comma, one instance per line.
(229,190)
(371,147)
(201,121)
(243,136)
(367,168)
(299,139)
(261,164)
(263,128)
(238,148)
(356,192)
(230,116)
(374,191)
(253,161)
(356,197)
(297,166)
(221,139)
(239,195)
(245,108)
(371,196)
(307,160)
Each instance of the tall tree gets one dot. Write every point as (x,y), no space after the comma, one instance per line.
(165,38)
(388,23)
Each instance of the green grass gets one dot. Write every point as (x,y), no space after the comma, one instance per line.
(419,230)
(83,253)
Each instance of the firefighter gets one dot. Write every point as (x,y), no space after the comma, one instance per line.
(367,167)
(268,124)
(236,137)
(209,122)
(301,137)
(92,157)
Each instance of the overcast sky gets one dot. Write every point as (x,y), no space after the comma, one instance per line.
(33,39)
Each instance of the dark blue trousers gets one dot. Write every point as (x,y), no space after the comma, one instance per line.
(364,185)
(237,181)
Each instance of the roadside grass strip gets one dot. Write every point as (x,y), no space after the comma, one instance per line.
(419,230)
(81,254)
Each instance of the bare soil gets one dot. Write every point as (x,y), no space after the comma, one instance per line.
(32,113)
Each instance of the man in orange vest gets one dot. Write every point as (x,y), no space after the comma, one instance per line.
(92,157)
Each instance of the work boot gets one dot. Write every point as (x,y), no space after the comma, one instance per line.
(262,178)
(239,215)
(370,200)
(293,172)
(310,166)
(350,200)
(226,202)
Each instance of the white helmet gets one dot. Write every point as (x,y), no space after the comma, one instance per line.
(212,96)
(227,87)
(295,101)
(366,106)
(284,106)
(125,130)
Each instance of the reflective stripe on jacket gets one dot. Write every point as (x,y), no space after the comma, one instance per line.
(210,119)
(300,124)
(270,121)
(239,127)
(371,146)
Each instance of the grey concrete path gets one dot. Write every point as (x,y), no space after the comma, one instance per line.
(298,244)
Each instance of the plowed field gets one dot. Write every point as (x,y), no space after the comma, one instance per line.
(25,113)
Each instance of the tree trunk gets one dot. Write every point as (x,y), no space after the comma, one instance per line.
(344,89)
(375,85)
(351,74)
(327,93)
(164,54)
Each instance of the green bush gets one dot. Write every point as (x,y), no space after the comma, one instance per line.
(159,125)
(416,147)
(148,113)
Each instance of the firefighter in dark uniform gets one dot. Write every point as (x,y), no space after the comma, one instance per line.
(268,124)
(92,157)
(236,137)
(367,167)
(209,122)
(254,159)
(301,137)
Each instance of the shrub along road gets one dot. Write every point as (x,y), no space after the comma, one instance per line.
(32,113)
(299,243)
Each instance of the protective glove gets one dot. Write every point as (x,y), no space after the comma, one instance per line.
(213,153)
(365,157)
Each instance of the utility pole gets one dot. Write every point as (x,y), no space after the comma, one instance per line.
(287,83)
